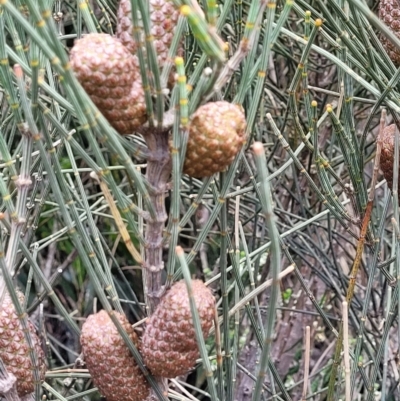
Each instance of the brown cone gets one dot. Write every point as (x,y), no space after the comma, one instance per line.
(216,135)
(169,346)
(387,155)
(14,350)
(389,13)
(110,75)
(110,363)
(163,18)
(124,31)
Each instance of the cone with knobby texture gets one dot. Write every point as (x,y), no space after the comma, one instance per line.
(169,346)
(387,154)
(110,363)
(163,19)
(14,350)
(216,135)
(389,13)
(110,75)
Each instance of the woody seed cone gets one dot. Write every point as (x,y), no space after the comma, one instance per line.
(163,19)
(389,13)
(14,349)
(110,363)
(387,154)
(216,135)
(124,30)
(110,75)
(169,345)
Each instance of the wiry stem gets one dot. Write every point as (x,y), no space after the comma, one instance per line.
(157,174)
(354,270)
(23,182)
(306,362)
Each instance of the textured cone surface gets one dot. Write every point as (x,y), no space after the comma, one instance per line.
(163,18)
(387,155)
(169,345)
(110,75)
(110,363)
(14,350)
(389,13)
(216,134)
(124,31)
(127,113)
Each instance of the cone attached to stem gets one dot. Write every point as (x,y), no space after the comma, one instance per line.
(110,75)
(216,135)
(110,363)
(169,346)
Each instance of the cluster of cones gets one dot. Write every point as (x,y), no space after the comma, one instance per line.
(108,69)
(168,345)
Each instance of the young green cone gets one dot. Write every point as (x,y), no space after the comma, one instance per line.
(110,363)
(169,346)
(389,13)
(216,135)
(110,75)
(14,350)
(387,155)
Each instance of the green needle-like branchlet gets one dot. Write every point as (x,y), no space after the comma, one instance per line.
(79,200)
(266,204)
(197,326)
(205,35)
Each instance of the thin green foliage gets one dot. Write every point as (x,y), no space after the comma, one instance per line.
(276,247)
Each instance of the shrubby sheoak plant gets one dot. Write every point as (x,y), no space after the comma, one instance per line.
(199,200)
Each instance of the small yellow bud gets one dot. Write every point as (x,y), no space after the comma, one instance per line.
(185,10)
(318,22)
(178,61)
